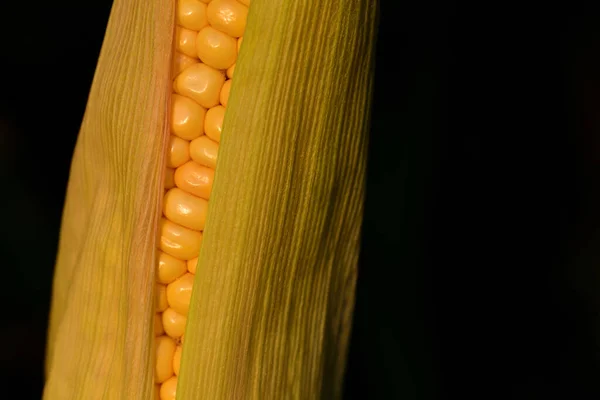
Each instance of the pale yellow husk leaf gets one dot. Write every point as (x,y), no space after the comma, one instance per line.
(100,333)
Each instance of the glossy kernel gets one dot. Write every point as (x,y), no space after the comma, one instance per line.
(228,16)
(179,294)
(161,298)
(168,390)
(187,117)
(195,179)
(191,265)
(213,123)
(200,83)
(169,180)
(165,350)
(204,151)
(216,48)
(178,152)
(169,268)
(180,242)
(173,323)
(185,209)
(185,41)
(181,62)
(224,97)
(177,360)
(191,14)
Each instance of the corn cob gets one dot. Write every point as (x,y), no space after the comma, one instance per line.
(265,306)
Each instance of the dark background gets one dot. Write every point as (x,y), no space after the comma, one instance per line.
(480,271)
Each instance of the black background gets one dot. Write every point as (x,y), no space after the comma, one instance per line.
(480,270)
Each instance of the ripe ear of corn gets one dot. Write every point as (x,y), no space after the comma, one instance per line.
(270,313)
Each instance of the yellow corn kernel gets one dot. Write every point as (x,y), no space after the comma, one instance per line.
(191,265)
(158,326)
(230,71)
(173,323)
(195,179)
(181,62)
(180,242)
(215,48)
(227,16)
(161,298)
(200,83)
(213,123)
(185,209)
(177,360)
(169,268)
(179,293)
(224,96)
(178,152)
(169,180)
(168,390)
(165,350)
(187,117)
(204,151)
(185,42)
(191,14)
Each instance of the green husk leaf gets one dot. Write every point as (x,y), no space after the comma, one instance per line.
(270,314)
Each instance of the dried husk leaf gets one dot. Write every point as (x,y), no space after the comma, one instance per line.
(100,335)
(271,310)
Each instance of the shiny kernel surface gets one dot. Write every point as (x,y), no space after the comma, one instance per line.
(187,117)
(185,41)
(191,265)
(195,179)
(169,268)
(204,151)
(173,323)
(179,293)
(185,209)
(215,48)
(178,151)
(213,123)
(177,360)
(181,62)
(191,14)
(161,298)
(168,390)
(178,241)
(165,350)
(169,180)
(228,16)
(224,97)
(200,83)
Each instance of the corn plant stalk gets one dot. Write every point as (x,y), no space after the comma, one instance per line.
(270,315)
